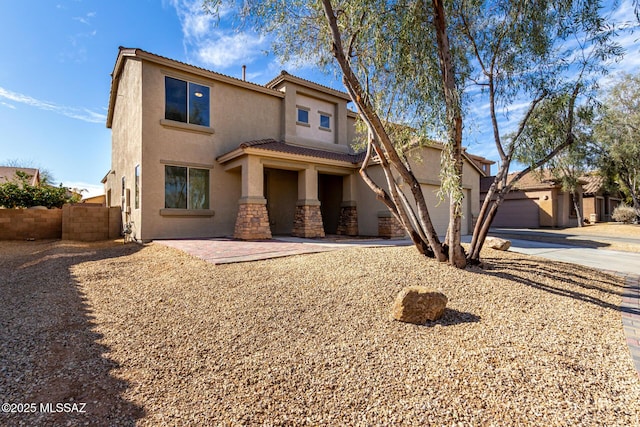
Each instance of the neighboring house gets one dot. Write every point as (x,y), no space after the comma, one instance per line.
(597,201)
(8,174)
(534,202)
(95,200)
(200,154)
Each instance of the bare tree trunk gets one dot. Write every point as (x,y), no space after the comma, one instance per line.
(384,147)
(577,207)
(453,148)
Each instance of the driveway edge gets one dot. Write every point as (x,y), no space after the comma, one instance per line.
(630,310)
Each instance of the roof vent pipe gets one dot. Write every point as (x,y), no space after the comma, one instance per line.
(244,73)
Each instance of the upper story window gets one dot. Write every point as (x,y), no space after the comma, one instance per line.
(303,116)
(186,102)
(325,121)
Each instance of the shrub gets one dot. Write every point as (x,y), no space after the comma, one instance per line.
(624,213)
(20,194)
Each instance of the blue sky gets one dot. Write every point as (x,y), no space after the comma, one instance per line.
(57,58)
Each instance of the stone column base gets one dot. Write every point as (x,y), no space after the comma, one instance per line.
(252,222)
(308,220)
(348,221)
(389,226)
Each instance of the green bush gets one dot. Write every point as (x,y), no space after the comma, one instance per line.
(624,213)
(20,194)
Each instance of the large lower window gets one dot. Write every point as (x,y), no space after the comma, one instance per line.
(186,102)
(186,188)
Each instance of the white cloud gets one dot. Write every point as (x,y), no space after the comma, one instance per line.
(85,19)
(211,40)
(227,50)
(82,114)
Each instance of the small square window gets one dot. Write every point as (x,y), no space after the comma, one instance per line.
(303,116)
(325,121)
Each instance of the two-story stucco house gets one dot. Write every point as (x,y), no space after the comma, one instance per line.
(200,154)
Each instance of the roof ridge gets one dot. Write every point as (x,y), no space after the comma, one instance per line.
(194,66)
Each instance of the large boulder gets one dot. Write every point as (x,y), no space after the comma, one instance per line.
(497,243)
(418,305)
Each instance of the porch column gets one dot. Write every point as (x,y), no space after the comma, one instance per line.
(252,222)
(308,219)
(348,221)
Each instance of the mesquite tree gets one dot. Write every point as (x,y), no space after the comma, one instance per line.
(412,62)
(553,124)
(618,135)
(526,52)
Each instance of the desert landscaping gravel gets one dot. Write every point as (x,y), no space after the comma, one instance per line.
(150,336)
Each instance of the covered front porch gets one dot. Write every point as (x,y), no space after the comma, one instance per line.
(292,190)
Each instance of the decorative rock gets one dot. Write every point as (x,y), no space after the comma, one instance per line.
(497,243)
(418,304)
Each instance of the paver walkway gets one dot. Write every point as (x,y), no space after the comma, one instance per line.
(225,251)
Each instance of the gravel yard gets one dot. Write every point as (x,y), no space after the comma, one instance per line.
(151,336)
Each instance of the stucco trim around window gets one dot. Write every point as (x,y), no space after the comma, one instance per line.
(302,116)
(187,212)
(187,126)
(187,164)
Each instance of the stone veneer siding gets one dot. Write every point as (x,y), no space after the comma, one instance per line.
(252,222)
(308,221)
(348,221)
(389,226)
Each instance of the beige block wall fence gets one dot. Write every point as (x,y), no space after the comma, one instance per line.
(73,222)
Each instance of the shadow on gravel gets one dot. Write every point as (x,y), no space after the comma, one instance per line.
(49,351)
(454,317)
(577,277)
(552,239)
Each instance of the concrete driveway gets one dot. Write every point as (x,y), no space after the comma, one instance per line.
(532,242)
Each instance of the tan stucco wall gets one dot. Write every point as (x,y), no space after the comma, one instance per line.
(312,131)
(126,139)
(336,140)
(237,115)
(140,135)
(425,163)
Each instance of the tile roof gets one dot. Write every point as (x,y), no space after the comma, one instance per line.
(535,181)
(132,51)
(529,181)
(8,174)
(282,147)
(285,76)
(593,184)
